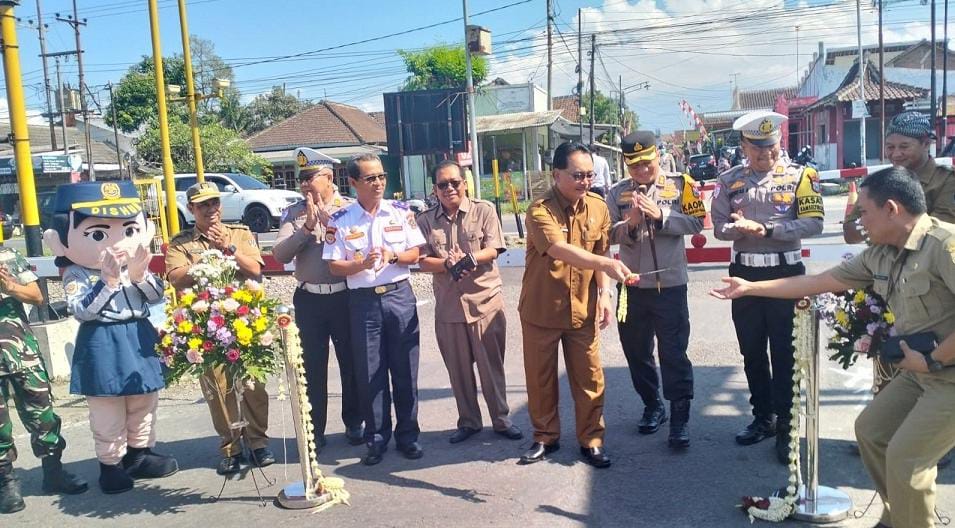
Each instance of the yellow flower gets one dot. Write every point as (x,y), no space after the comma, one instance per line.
(243,336)
(842,318)
(167,340)
(184,327)
(239,324)
(889,317)
(260,324)
(187,298)
(264,310)
(195,343)
(242,296)
(859,297)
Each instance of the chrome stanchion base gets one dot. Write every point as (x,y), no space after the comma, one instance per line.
(293,497)
(831,505)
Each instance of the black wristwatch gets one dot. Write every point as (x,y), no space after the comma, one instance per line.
(229,251)
(768,226)
(934,365)
(393,259)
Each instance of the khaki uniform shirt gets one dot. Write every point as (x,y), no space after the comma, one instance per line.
(938,182)
(294,242)
(786,197)
(186,247)
(683,213)
(474,227)
(918,283)
(554,294)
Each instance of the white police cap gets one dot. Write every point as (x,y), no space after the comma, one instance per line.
(761,127)
(308,160)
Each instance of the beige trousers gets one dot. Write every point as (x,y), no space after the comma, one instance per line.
(118,422)
(903,433)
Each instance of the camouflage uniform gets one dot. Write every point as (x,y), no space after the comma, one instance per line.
(22,372)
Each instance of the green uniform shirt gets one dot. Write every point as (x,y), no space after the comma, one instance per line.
(938,182)
(19,350)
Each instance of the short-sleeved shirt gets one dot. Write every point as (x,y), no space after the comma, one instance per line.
(938,182)
(19,350)
(601,172)
(186,248)
(683,212)
(787,196)
(555,294)
(474,227)
(918,282)
(352,233)
(304,247)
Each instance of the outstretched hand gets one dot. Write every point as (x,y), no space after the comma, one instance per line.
(736,288)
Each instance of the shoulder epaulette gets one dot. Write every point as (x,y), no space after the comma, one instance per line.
(339,213)
(400,205)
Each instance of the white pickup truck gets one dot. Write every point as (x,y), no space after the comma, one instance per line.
(244,199)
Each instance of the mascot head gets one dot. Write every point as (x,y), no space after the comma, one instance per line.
(90,217)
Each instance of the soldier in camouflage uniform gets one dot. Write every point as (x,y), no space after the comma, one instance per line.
(23,375)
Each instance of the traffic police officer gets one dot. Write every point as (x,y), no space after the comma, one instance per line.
(565,297)
(372,242)
(185,249)
(765,208)
(469,308)
(321,297)
(904,431)
(671,204)
(22,370)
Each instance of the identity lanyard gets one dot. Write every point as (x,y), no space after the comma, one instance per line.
(894,281)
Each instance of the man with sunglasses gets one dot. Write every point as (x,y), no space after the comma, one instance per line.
(765,208)
(565,299)
(372,243)
(470,326)
(321,296)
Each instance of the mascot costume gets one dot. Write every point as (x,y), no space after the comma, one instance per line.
(101,237)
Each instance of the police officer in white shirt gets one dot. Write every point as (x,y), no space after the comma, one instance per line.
(372,243)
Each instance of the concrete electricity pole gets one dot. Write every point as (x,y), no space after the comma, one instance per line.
(75,22)
(580,74)
(41,29)
(472,115)
(861,84)
(593,87)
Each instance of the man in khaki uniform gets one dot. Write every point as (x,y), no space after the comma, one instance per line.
(321,298)
(565,296)
(903,432)
(185,250)
(469,308)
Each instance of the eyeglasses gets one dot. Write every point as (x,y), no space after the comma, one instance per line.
(375,177)
(450,183)
(581,176)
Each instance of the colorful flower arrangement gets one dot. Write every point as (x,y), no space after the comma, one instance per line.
(219,322)
(860,321)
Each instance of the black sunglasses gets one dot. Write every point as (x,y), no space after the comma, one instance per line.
(449,183)
(581,176)
(375,177)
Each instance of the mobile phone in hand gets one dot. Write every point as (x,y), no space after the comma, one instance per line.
(467,263)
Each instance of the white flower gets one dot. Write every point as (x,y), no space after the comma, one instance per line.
(229,305)
(200,306)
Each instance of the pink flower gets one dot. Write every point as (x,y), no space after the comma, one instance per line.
(200,306)
(242,310)
(207,346)
(193,356)
(217,321)
(862,344)
(232,355)
(230,305)
(266,339)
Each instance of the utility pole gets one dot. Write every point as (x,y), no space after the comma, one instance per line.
(861,83)
(944,134)
(580,74)
(75,22)
(934,106)
(881,89)
(550,65)
(472,115)
(41,29)
(593,87)
(797,56)
(119,154)
(62,100)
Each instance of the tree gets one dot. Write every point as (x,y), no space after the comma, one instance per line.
(222,149)
(607,111)
(267,109)
(232,114)
(441,66)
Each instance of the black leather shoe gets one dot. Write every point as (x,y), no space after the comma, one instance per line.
(679,432)
(374,455)
(782,447)
(595,456)
(230,465)
(762,428)
(412,451)
(355,435)
(654,416)
(537,451)
(511,433)
(262,457)
(462,434)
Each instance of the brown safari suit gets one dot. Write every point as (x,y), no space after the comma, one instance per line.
(184,250)
(558,304)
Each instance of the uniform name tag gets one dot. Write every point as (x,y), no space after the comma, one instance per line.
(392,229)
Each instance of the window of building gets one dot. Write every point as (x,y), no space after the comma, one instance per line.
(823,136)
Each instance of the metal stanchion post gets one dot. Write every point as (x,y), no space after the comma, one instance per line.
(817,504)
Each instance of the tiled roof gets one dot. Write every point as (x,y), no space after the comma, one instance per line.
(568,106)
(849,88)
(763,99)
(40,143)
(326,123)
(379,117)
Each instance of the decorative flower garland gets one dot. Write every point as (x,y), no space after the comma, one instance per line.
(315,482)
(778,509)
(632,280)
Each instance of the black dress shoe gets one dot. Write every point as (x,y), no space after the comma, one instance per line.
(654,416)
(595,456)
(782,447)
(462,434)
(762,428)
(412,451)
(512,432)
(355,435)
(262,457)
(230,465)
(374,455)
(537,451)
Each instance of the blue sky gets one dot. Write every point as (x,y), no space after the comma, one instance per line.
(684,48)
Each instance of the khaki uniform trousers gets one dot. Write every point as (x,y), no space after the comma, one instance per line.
(221,397)
(582,360)
(903,433)
(481,343)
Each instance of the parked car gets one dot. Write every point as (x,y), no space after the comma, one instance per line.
(702,167)
(244,199)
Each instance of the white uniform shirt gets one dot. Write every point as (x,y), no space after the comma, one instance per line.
(352,234)
(601,172)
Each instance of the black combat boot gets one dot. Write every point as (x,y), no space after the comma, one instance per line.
(141,462)
(654,415)
(113,479)
(679,416)
(58,480)
(10,499)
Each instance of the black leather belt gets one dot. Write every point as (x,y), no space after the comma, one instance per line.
(383,289)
